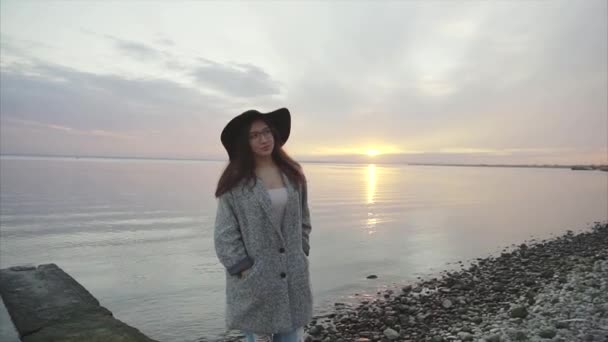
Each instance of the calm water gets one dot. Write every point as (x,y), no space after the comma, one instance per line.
(138,234)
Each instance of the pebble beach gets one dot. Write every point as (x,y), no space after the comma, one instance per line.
(549,290)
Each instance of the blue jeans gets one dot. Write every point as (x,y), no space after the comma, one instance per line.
(291,336)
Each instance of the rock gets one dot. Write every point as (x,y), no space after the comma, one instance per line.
(588,337)
(23,268)
(391,334)
(465,336)
(476,320)
(519,311)
(47,304)
(316,330)
(547,274)
(365,334)
(390,320)
(447,303)
(492,338)
(520,336)
(529,282)
(547,333)
(422,316)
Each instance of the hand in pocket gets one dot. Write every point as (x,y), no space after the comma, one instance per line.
(245,272)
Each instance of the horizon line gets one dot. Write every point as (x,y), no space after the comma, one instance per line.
(303,160)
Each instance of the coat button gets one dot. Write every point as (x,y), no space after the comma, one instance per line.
(281,250)
(283,275)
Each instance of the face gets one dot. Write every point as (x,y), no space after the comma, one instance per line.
(260,139)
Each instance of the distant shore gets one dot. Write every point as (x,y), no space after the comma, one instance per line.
(589,167)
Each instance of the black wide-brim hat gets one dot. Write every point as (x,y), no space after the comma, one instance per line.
(280,119)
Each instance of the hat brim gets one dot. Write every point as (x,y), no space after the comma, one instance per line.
(280,119)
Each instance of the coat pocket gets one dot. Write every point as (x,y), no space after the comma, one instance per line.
(250,272)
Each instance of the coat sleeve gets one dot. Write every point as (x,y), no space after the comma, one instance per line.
(228,241)
(306,227)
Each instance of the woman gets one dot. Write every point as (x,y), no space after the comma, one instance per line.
(262,230)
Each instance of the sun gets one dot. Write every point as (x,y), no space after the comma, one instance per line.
(372,153)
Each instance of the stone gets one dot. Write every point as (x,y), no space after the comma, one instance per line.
(476,320)
(52,306)
(316,330)
(391,334)
(519,311)
(464,336)
(492,338)
(547,333)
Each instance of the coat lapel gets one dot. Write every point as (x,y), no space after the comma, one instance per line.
(262,196)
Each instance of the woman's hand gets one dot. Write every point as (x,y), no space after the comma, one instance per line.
(244,272)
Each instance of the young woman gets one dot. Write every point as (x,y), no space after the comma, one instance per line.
(262,230)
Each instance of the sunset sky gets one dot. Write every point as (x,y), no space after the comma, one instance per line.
(433,81)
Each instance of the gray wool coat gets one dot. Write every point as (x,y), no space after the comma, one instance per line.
(275,294)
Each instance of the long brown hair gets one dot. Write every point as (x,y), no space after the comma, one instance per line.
(242,166)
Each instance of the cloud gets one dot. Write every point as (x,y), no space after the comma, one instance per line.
(17,123)
(236,79)
(47,107)
(242,80)
(165,41)
(64,96)
(418,76)
(134,49)
(137,50)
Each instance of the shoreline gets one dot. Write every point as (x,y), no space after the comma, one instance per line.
(554,289)
(550,290)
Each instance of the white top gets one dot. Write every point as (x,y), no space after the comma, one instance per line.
(278,198)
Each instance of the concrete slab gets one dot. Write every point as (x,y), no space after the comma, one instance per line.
(47,304)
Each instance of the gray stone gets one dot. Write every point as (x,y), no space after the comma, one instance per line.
(492,338)
(46,304)
(476,320)
(316,330)
(465,336)
(391,334)
(547,333)
(519,311)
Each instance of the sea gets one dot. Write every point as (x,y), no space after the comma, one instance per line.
(138,233)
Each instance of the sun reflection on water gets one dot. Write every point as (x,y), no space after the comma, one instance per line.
(371,183)
(371,192)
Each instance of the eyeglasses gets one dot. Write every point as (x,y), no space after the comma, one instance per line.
(256,135)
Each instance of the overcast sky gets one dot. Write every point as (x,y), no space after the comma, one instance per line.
(444,81)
